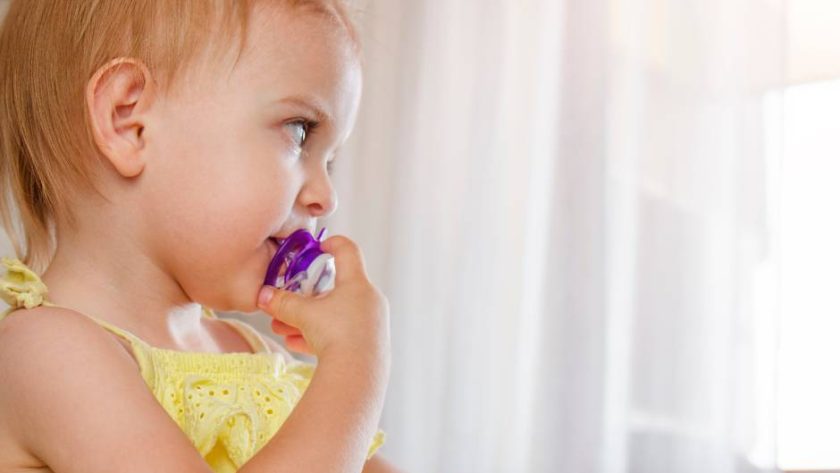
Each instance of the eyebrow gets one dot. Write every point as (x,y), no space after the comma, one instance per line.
(308,103)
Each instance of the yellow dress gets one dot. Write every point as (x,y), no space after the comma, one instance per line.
(228,404)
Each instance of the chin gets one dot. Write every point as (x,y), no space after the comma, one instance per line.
(237,286)
(238,290)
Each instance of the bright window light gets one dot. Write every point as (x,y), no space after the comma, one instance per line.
(809,269)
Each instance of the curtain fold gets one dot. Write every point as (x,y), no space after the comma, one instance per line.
(565,202)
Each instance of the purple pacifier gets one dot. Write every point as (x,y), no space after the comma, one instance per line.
(308,270)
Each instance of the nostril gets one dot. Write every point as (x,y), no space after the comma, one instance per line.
(317,209)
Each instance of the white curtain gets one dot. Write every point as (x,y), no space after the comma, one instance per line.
(565,202)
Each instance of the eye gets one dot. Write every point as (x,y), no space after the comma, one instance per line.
(301,129)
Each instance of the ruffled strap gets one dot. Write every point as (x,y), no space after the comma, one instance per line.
(21,287)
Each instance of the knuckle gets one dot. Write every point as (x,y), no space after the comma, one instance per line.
(368,287)
(341,241)
(348,245)
(377,297)
(384,303)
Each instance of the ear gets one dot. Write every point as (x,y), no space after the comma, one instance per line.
(117,96)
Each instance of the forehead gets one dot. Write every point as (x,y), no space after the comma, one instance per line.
(298,51)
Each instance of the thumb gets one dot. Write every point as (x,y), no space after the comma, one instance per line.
(285,306)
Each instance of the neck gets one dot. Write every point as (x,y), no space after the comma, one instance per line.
(113,279)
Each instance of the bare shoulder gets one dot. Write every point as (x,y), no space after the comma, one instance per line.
(32,337)
(73,398)
(378,464)
(42,327)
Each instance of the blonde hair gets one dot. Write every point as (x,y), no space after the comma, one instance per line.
(48,52)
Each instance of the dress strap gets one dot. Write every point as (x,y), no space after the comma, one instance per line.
(135,341)
(21,287)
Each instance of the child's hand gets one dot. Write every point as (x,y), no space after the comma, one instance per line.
(351,319)
(292,336)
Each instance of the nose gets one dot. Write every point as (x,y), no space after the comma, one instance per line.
(318,195)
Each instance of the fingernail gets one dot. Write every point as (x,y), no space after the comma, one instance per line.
(266,294)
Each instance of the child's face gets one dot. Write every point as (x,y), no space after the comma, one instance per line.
(224,172)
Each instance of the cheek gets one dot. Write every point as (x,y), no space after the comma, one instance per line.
(218,245)
(216,180)
(230,212)
(213,202)
(225,264)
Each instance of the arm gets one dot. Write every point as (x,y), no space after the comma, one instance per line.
(73,397)
(352,399)
(337,414)
(377,464)
(330,428)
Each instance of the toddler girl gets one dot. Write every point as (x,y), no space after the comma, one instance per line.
(150,153)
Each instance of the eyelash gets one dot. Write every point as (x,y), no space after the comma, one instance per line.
(309,127)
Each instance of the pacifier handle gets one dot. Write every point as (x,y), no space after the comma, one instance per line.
(299,251)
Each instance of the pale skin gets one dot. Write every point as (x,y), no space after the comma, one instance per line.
(196,183)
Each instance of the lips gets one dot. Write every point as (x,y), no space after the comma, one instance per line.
(284,235)
(275,240)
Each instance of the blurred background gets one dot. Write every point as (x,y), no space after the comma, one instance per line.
(607,232)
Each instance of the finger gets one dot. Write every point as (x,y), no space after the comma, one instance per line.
(282,305)
(284,329)
(297,343)
(349,261)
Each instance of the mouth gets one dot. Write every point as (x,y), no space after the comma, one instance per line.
(275,241)
(280,236)
(273,244)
